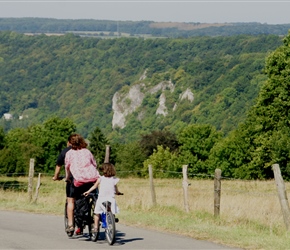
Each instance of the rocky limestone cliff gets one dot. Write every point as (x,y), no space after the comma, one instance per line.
(126,103)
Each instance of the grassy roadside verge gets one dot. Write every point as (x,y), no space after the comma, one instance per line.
(229,229)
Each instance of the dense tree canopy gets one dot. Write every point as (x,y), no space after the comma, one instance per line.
(270,117)
(196,143)
(165,138)
(77,77)
(43,142)
(97,145)
(264,138)
(2,137)
(226,76)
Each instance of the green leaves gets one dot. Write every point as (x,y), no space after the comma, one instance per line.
(264,138)
(129,159)
(76,77)
(43,142)
(150,142)
(97,145)
(196,143)
(164,163)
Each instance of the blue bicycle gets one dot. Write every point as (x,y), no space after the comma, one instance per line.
(108,223)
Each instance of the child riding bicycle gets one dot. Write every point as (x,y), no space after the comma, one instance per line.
(107,185)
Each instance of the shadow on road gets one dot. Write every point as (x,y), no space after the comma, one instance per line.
(120,238)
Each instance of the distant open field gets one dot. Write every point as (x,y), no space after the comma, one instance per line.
(187,26)
(98,34)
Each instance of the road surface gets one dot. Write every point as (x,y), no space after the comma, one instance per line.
(37,231)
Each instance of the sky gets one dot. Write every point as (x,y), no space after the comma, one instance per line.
(202,11)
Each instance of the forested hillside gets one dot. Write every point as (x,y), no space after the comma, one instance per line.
(206,102)
(77,77)
(105,28)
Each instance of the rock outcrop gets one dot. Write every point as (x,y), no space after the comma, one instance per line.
(126,103)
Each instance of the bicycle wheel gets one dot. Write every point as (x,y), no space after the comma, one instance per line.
(69,234)
(110,231)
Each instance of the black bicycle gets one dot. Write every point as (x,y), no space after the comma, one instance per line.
(83,213)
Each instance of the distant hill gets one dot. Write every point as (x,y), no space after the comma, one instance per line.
(103,28)
(131,86)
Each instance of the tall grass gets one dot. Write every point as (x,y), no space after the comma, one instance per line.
(250,213)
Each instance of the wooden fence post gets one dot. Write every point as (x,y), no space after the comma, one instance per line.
(107,156)
(153,195)
(30,178)
(217,191)
(185,187)
(282,194)
(37,188)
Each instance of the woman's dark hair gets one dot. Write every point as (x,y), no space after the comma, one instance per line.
(108,169)
(77,141)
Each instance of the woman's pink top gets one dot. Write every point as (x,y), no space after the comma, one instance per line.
(82,165)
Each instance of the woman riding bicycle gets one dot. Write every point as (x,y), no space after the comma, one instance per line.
(79,163)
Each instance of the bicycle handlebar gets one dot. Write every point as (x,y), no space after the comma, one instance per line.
(59,178)
(63,177)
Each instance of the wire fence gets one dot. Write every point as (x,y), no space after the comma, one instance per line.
(12,181)
(239,199)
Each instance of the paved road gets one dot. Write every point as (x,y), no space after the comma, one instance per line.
(36,231)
